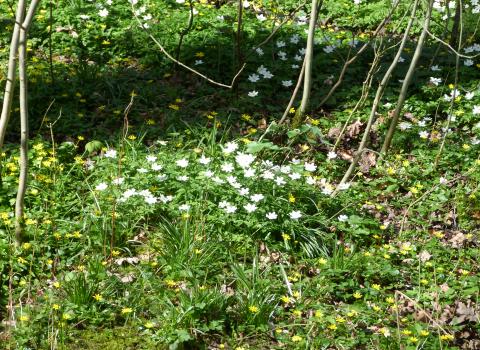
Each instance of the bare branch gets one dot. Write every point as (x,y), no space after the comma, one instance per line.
(162,49)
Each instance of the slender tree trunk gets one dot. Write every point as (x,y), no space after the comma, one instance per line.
(21,43)
(406,82)
(12,71)
(307,81)
(456,24)
(455,85)
(22,179)
(294,94)
(238,42)
(184,32)
(378,96)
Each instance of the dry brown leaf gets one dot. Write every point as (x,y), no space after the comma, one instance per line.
(424,256)
(354,129)
(333,133)
(368,160)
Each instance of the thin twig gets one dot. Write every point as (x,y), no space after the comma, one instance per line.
(162,49)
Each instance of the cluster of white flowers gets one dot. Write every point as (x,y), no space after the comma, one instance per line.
(239,171)
(264,73)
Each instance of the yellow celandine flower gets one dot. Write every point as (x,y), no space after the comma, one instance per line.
(315,122)
(127,310)
(390,171)
(413,339)
(132,137)
(174,107)
(332,326)
(406,332)
(286,299)
(80,138)
(406,163)
(150,122)
(357,295)
(376,308)
(170,283)
(56,284)
(246,117)
(115,253)
(339,319)
(297,313)
(318,314)
(291,198)
(424,333)
(414,190)
(390,300)
(322,261)
(200,54)
(55,307)
(296,339)
(352,313)
(30,222)
(98,297)
(296,294)
(286,237)
(253,309)
(466,147)
(24,318)
(26,246)
(149,325)
(292,110)
(376,286)
(447,337)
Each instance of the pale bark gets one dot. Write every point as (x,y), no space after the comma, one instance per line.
(406,82)
(378,96)
(307,80)
(12,71)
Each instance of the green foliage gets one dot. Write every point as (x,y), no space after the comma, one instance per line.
(164,212)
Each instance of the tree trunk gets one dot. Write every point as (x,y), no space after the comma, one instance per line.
(378,96)
(12,71)
(406,82)
(307,81)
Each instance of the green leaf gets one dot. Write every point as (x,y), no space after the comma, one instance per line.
(255,147)
(293,133)
(93,146)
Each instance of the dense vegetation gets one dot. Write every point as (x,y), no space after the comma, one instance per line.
(166,211)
